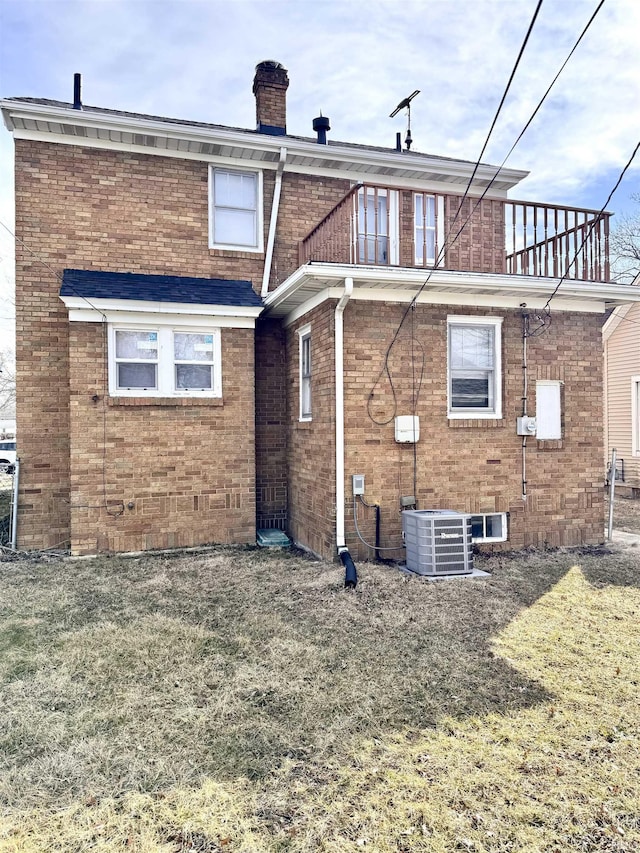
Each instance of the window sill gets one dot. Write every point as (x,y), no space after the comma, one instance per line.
(549,443)
(165,401)
(240,252)
(304,424)
(477,423)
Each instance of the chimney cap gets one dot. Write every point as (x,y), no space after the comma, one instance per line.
(270,73)
(270,65)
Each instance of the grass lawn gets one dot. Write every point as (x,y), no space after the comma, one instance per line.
(626,514)
(241,700)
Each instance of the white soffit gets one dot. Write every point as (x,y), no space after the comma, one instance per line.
(149,135)
(313,283)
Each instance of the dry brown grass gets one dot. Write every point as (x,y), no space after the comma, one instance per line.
(626,514)
(241,700)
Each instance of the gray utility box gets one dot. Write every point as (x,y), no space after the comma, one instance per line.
(438,541)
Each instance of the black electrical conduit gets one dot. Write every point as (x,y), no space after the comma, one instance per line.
(375,547)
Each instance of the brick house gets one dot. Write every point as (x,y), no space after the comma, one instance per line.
(218,327)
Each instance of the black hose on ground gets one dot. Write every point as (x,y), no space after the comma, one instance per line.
(350,573)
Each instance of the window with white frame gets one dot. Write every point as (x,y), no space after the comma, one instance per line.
(428,218)
(305,373)
(474,367)
(235,204)
(489,527)
(635,415)
(163,361)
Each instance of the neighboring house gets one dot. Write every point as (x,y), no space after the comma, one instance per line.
(621,336)
(210,337)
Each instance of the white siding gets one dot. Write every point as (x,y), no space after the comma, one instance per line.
(622,362)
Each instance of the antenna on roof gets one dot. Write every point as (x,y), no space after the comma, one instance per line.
(406,104)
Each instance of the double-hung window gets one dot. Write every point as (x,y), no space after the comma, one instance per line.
(164,361)
(305,373)
(234,209)
(474,367)
(428,218)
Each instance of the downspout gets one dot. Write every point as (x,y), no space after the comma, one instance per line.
(350,577)
(271,239)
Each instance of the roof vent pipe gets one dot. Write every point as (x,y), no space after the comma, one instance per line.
(398,141)
(321,126)
(77,102)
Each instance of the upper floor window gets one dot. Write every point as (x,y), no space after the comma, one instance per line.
(474,367)
(305,373)
(235,204)
(376,226)
(163,361)
(428,218)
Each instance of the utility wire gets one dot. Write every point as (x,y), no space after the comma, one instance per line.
(500,105)
(531,118)
(385,366)
(592,226)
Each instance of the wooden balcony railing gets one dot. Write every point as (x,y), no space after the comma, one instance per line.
(547,240)
(383,226)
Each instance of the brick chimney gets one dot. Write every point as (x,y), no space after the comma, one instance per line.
(270,88)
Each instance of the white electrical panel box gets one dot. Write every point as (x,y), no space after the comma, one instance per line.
(548,409)
(526,426)
(358,484)
(407,429)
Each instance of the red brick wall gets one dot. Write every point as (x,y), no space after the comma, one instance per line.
(312,443)
(480,247)
(271,426)
(185,466)
(93,209)
(468,465)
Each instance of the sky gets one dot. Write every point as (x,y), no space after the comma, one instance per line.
(355,60)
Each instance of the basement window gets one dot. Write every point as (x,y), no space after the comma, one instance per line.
(235,206)
(163,361)
(490,527)
(474,367)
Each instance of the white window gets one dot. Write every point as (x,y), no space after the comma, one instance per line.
(305,373)
(635,415)
(474,367)
(428,211)
(235,205)
(491,527)
(162,361)
(376,228)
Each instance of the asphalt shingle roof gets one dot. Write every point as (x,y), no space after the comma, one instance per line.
(49,102)
(98,284)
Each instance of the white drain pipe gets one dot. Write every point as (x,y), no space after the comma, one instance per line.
(271,239)
(339,379)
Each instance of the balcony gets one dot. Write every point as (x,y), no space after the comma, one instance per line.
(382,226)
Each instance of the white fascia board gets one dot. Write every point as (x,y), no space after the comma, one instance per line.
(427,297)
(95,310)
(256,142)
(442,284)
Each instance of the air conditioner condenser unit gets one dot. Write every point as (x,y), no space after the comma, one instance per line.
(438,542)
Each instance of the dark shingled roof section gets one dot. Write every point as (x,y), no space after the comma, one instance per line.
(98,284)
(48,102)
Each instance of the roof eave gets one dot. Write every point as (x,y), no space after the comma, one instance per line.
(15,110)
(401,284)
